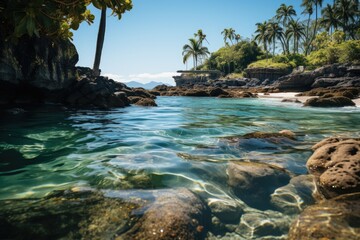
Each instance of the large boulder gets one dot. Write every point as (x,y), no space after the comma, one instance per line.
(38,62)
(329,102)
(338,218)
(336,166)
(254,182)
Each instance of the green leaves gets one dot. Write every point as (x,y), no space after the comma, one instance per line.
(52,18)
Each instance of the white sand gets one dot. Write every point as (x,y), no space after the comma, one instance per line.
(292,95)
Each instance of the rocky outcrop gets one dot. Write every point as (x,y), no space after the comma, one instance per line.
(335,75)
(269,74)
(255,182)
(336,166)
(337,218)
(38,62)
(329,102)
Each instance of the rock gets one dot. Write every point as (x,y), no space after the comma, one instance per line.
(38,62)
(331,82)
(254,182)
(291,100)
(226,211)
(175,214)
(196,93)
(336,166)
(263,225)
(215,92)
(329,102)
(270,74)
(294,197)
(72,214)
(146,102)
(338,218)
(282,134)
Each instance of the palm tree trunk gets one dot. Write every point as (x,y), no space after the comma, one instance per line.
(100,42)
(274,47)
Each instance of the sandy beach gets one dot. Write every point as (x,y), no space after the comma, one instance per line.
(292,95)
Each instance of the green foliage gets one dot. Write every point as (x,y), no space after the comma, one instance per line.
(233,58)
(345,52)
(269,63)
(281,61)
(53,18)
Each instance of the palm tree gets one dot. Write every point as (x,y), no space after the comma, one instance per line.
(295,30)
(100,42)
(237,38)
(201,36)
(285,13)
(274,31)
(261,35)
(194,49)
(329,20)
(228,33)
(347,11)
(307,4)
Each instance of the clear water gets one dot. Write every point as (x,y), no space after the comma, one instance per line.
(177,144)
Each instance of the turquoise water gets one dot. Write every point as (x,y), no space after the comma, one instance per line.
(178,144)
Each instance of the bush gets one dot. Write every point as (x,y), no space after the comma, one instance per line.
(345,52)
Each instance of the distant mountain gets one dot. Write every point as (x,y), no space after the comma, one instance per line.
(149,85)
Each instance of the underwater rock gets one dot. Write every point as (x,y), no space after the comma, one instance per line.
(294,197)
(338,218)
(263,225)
(90,214)
(227,211)
(72,214)
(336,166)
(254,182)
(175,214)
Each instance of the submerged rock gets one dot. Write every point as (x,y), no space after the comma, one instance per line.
(255,182)
(294,197)
(263,225)
(66,215)
(338,218)
(336,166)
(89,214)
(175,214)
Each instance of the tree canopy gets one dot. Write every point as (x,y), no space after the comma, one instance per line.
(52,18)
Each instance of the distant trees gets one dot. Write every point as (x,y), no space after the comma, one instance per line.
(228,33)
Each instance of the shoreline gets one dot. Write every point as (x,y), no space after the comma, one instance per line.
(292,95)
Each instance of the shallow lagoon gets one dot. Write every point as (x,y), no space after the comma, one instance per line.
(178,144)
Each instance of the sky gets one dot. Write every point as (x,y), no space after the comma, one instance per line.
(146,44)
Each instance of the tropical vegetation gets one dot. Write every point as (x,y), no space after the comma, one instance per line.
(325,34)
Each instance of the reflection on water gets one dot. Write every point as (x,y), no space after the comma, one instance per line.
(176,144)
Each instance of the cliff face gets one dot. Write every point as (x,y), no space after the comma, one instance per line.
(271,74)
(38,62)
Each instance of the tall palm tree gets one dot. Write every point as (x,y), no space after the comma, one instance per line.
(194,49)
(316,4)
(274,32)
(201,36)
(261,35)
(296,30)
(100,42)
(309,10)
(228,33)
(284,14)
(329,20)
(347,11)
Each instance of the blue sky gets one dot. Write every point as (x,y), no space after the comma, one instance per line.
(146,44)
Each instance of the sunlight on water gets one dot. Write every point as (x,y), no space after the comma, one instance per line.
(178,144)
